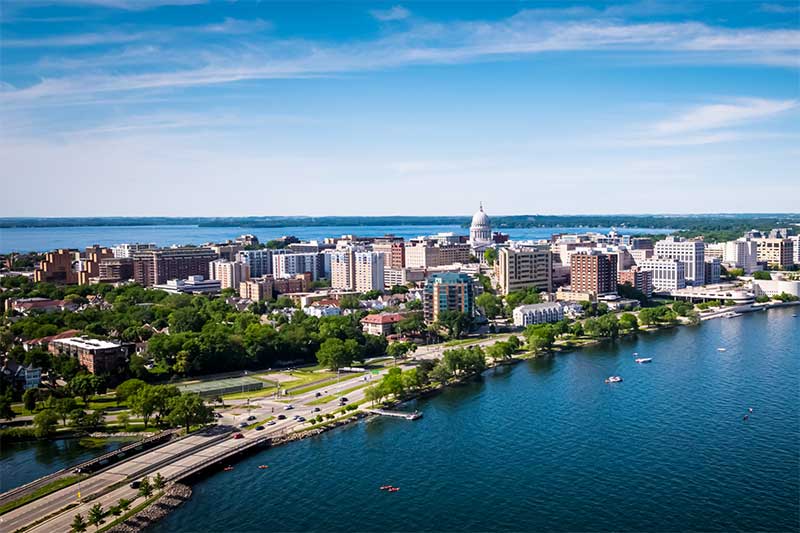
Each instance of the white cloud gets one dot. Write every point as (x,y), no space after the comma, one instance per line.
(793,7)
(395,13)
(717,116)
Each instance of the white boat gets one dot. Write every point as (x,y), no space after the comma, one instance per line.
(613,379)
(721,349)
(643,359)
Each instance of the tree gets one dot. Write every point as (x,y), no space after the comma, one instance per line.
(441,373)
(412,379)
(762,275)
(336,353)
(29,399)
(145,488)
(84,385)
(78,525)
(412,323)
(540,337)
(123,419)
(143,403)
(398,350)
(490,304)
(349,301)
(189,410)
(158,481)
(128,388)
(44,423)
(455,322)
(6,399)
(628,322)
(96,515)
(124,504)
(490,256)
(399,289)
(63,407)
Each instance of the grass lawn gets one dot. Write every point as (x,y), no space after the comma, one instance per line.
(41,491)
(304,378)
(314,386)
(266,391)
(328,398)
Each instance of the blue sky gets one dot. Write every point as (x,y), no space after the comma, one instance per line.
(159,107)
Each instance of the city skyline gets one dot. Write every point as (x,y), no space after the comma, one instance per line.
(123,108)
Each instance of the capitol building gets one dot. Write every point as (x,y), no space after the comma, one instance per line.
(480,232)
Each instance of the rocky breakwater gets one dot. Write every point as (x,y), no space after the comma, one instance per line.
(174,496)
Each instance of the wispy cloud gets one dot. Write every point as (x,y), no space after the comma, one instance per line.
(793,7)
(395,13)
(128,5)
(718,116)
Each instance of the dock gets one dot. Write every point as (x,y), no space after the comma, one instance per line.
(416,415)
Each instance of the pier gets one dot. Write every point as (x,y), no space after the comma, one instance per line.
(416,415)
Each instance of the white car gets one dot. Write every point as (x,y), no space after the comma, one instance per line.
(290,406)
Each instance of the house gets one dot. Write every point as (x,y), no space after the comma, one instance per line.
(381,323)
(25,306)
(20,376)
(321,308)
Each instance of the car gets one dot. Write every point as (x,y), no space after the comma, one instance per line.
(259,428)
(238,436)
(217,415)
(344,399)
(295,417)
(135,484)
(271,423)
(251,417)
(316,410)
(288,407)
(317,395)
(301,419)
(281,417)
(243,424)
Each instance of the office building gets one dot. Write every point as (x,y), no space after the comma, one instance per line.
(713,270)
(448,291)
(593,272)
(126,250)
(115,269)
(394,251)
(229,273)
(776,252)
(156,267)
(741,253)
(524,268)
(402,276)
(427,253)
(192,285)
(668,274)
(689,252)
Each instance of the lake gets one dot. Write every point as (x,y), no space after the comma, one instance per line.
(44,239)
(546,445)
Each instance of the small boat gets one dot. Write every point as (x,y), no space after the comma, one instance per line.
(613,379)
(635,354)
(794,316)
(394,489)
(643,359)
(386,487)
(262,467)
(746,417)
(228,468)
(750,409)
(721,349)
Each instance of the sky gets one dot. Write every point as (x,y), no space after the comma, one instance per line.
(192,108)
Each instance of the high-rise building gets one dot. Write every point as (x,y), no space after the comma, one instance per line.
(259,261)
(593,272)
(289,265)
(668,274)
(155,267)
(639,279)
(394,251)
(57,267)
(525,267)
(741,253)
(689,252)
(229,273)
(126,250)
(776,252)
(343,269)
(368,270)
(89,264)
(713,270)
(426,253)
(448,291)
(115,269)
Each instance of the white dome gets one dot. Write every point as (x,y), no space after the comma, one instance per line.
(480,219)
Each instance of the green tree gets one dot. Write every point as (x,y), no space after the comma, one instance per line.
(84,385)
(158,481)
(455,322)
(124,419)
(145,487)
(490,304)
(189,410)
(44,423)
(398,350)
(29,399)
(78,525)
(628,322)
(6,400)
(128,388)
(762,275)
(490,256)
(63,407)
(96,515)
(335,353)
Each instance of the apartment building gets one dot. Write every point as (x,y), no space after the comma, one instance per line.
(527,315)
(741,253)
(368,271)
(98,356)
(448,291)
(257,289)
(289,265)
(427,253)
(126,250)
(156,267)
(394,251)
(229,273)
(593,272)
(639,279)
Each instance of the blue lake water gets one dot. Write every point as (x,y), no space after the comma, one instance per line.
(546,445)
(22,462)
(42,239)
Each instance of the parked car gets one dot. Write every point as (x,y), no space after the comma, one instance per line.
(259,428)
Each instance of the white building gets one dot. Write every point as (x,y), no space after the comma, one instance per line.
(526,315)
(229,273)
(480,232)
(191,285)
(124,251)
(369,270)
(322,310)
(691,253)
(289,265)
(741,253)
(775,287)
(668,274)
